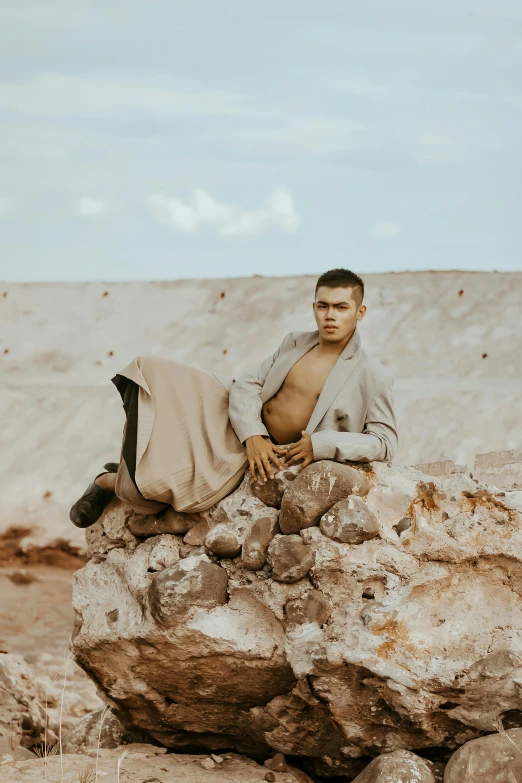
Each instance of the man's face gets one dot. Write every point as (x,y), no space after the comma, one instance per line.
(336,313)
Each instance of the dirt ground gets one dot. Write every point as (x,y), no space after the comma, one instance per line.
(36,620)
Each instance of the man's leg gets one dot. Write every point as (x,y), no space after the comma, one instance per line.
(121,477)
(96,497)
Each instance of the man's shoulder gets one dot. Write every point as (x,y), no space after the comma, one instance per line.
(375,370)
(301,338)
(297,338)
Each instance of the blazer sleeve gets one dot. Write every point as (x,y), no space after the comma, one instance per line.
(378,440)
(244,403)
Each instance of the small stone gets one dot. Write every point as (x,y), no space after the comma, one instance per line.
(164,553)
(350,521)
(257,540)
(217,759)
(290,558)
(278,763)
(316,489)
(196,535)
(22,577)
(401,765)
(271,493)
(402,525)
(208,764)
(270,777)
(312,607)
(223,542)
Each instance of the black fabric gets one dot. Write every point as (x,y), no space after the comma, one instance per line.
(129,392)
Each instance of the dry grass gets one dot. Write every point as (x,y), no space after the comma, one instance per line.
(103,716)
(45,751)
(121,758)
(67,656)
(87,775)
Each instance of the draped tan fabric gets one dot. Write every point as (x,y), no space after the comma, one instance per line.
(187,453)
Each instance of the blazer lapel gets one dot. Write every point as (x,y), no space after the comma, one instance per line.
(284,363)
(339,374)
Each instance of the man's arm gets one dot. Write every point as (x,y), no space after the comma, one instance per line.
(244,403)
(378,441)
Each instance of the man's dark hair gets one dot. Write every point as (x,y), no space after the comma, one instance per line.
(343,278)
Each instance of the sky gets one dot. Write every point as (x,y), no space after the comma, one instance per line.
(166,139)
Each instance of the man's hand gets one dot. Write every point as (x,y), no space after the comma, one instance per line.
(261,452)
(302,450)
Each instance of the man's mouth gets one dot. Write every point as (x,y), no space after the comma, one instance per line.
(330,326)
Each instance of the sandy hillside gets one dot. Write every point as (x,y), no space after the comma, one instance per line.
(453,341)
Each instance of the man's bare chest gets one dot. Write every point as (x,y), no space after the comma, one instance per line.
(308,375)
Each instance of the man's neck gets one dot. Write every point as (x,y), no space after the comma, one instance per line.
(334,348)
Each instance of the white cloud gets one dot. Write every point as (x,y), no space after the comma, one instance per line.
(6,205)
(90,207)
(434,147)
(51,15)
(278,212)
(385,229)
(101,95)
(353,85)
(304,135)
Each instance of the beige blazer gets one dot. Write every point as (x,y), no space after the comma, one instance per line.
(353,419)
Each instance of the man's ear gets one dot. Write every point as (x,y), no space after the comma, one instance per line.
(361,312)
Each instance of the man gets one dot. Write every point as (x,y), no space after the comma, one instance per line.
(190,436)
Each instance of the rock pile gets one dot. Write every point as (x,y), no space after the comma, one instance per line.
(335,615)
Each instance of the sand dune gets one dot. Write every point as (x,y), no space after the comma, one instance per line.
(453,341)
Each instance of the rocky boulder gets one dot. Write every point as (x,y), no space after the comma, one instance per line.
(34,704)
(305,644)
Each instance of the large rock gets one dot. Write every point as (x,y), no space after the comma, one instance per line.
(315,490)
(503,469)
(445,467)
(497,758)
(169,521)
(409,640)
(397,767)
(33,705)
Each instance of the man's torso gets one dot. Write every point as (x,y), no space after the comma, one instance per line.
(288,412)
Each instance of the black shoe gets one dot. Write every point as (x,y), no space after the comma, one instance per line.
(89,508)
(112,467)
